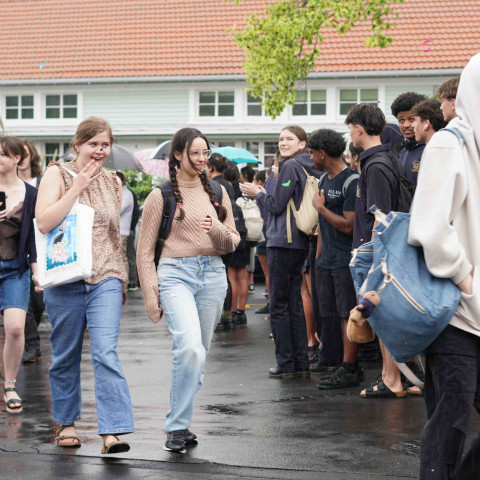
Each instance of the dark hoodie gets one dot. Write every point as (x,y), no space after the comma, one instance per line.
(289,184)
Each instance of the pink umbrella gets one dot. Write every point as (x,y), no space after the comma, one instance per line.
(152,166)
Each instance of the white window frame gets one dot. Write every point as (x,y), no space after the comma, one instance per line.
(61,107)
(358,89)
(309,102)
(216,105)
(19,107)
(256,102)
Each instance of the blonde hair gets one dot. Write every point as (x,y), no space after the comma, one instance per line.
(90,127)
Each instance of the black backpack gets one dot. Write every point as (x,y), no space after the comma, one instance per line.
(405,189)
(169,206)
(240,225)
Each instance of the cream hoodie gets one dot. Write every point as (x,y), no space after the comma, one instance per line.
(445,218)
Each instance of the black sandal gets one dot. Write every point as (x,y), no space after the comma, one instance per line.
(10,402)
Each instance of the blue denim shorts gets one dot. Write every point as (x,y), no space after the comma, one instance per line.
(14,288)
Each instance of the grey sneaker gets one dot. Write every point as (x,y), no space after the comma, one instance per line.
(341,378)
(175,442)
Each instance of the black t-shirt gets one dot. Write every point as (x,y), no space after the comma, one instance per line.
(378,186)
(336,246)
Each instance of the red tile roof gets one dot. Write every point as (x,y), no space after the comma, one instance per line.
(145,38)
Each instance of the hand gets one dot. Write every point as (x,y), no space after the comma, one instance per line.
(153,305)
(87,175)
(275,170)
(206,223)
(318,201)
(466,285)
(36,282)
(124,293)
(3,214)
(250,189)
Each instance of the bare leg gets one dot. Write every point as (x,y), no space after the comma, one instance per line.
(232,277)
(392,377)
(14,323)
(263,262)
(350,349)
(242,279)
(308,309)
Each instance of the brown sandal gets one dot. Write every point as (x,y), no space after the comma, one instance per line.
(59,437)
(116,446)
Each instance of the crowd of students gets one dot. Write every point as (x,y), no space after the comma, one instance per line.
(206,263)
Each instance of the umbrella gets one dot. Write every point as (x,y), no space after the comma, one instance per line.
(119,159)
(151,165)
(163,150)
(237,155)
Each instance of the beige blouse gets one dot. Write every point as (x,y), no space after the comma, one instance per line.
(102,196)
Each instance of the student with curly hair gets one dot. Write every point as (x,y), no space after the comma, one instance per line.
(190,283)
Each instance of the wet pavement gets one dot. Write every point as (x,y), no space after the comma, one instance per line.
(249,426)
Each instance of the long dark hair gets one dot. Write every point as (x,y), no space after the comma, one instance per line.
(182,140)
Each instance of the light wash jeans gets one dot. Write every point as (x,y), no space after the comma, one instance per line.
(192,292)
(71,308)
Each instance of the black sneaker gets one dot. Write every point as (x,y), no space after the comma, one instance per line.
(251,288)
(279,372)
(313,358)
(31,355)
(264,309)
(175,441)
(241,319)
(341,378)
(190,438)
(221,325)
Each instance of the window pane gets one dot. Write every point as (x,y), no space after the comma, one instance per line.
(254,110)
(207,110)
(253,147)
(252,99)
(301,96)
(348,95)
(207,97)
(299,109)
(53,100)
(70,112)
(27,101)
(70,100)
(226,97)
(51,152)
(346,107)
(11,101)
(318,109)
(225,110)
(318,95)
(53,113)
(368,94)
(11,114)
(27,113)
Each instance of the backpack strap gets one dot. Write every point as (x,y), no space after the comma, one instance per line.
(291,205)
(457,133)
(169,206)
(320,180)
(348,181)
(217,190)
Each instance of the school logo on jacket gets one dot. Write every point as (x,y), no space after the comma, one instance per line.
(358,191)
(286,184)
(416,166)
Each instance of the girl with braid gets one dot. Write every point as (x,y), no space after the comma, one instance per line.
(189,284)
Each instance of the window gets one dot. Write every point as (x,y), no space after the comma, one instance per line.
(61,106)
(216,104)
(310,102)
(253,148)
(353,96)
(254,109)
(269,150)
(19,107)
(54,151)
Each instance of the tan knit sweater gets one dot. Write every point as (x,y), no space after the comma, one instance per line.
(186,238)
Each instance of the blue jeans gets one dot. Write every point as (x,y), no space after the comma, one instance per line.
(287,317)
(192,291)
(71,308)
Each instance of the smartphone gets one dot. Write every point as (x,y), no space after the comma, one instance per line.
(3,204)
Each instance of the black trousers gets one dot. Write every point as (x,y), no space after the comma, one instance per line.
(287,317)
(452,388)
(36,308)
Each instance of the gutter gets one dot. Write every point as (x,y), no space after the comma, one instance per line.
(228,78)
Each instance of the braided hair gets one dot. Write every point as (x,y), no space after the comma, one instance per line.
(182,141)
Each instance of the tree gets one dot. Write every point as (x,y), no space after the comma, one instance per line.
(283,46)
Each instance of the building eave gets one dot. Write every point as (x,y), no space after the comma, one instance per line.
(228,78)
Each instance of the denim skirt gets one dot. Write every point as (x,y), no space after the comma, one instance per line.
(14,287)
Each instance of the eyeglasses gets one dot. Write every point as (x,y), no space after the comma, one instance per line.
(195,154)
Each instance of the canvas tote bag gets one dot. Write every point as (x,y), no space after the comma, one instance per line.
(64,255)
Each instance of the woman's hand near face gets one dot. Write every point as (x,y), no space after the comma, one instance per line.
(86,177)
(250,189)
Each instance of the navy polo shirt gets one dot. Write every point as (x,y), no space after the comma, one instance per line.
(410,157)
(378,186)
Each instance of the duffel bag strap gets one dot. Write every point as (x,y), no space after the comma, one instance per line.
(410,375)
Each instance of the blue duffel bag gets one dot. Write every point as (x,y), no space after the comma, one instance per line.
(415,307)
